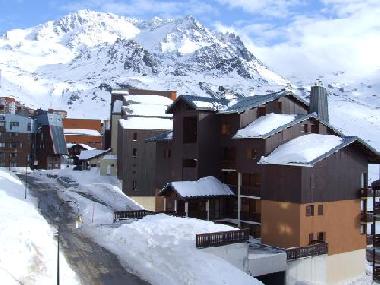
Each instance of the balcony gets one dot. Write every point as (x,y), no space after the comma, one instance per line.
(366,217)
(307,251)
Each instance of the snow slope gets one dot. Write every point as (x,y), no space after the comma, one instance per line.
(28,249)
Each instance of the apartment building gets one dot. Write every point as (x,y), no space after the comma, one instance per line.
(137,115)
(295,179)
(15,140)
(49,143)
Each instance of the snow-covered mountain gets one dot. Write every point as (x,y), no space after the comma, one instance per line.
(71,63)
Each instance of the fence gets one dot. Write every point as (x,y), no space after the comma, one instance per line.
(139,214)
(311,250)
(221,238)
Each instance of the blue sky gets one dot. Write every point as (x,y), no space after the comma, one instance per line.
(311,36)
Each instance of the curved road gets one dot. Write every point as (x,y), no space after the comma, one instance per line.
(93,264)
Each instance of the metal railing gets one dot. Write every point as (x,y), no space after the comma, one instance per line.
(307,251)
(221,238)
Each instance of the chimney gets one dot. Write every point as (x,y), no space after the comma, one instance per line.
(318,101)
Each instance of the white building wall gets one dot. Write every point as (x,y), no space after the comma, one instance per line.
(327,269)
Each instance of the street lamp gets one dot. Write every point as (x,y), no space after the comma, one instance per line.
(78,221)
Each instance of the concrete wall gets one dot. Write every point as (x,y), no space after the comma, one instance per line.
(334,269)
(235,254)
(106,164)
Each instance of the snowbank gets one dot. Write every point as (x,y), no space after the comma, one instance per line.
(264,125)
(302,150)
(162,249)
(205,186)
(28,249)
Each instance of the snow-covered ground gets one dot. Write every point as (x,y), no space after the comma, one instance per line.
(160,249)
(27,245)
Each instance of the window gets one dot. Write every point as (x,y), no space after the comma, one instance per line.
(134,152)
(315,128)
(310,210)
(252,153)
(225,129)
(134,137)
(320,210)
(2,144)
(13,154)
(311,238)
(13,124)
(189,163)
(134,185)
(112,165)
(261,111)
(321,236)
(189,129)
(305,128)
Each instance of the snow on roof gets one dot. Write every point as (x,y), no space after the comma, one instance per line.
(142,123)
(303,150)
(165,136)
(86,146)
(148,99)
(88,154)
(264,125)
(205,186)
(81,132)
(117,106)
(147,105)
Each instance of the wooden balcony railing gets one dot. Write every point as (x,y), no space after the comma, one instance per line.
(221,238)
(366,217)
(139,214)
(311,250)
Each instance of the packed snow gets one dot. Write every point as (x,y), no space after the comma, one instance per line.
(81,132)
(302,150)
(27,245)
(264,125)
(162,249)
(156,248)
(147,105)
(205,186)
(88,154)
(142,123)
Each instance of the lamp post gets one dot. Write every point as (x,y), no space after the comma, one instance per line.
(77,224)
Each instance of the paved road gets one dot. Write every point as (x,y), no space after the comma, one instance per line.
(93,264)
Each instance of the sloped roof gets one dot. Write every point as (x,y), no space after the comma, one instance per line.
(204,187)
(199,103)
(255,101)
(165,136)
(309,149)
(59,143)
(93,153)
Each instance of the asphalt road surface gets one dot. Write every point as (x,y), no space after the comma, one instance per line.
(93,264)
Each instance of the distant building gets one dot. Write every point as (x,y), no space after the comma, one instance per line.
(83,131)
(15,140)
(49,142)
(137,115)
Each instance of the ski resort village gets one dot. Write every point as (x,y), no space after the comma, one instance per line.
(163,152)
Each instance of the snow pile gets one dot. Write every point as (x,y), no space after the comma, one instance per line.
(28,249)
(88,154)
(205,186)
(81,132)
(162,249)
(264,125)
(302,150)
(141,123)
